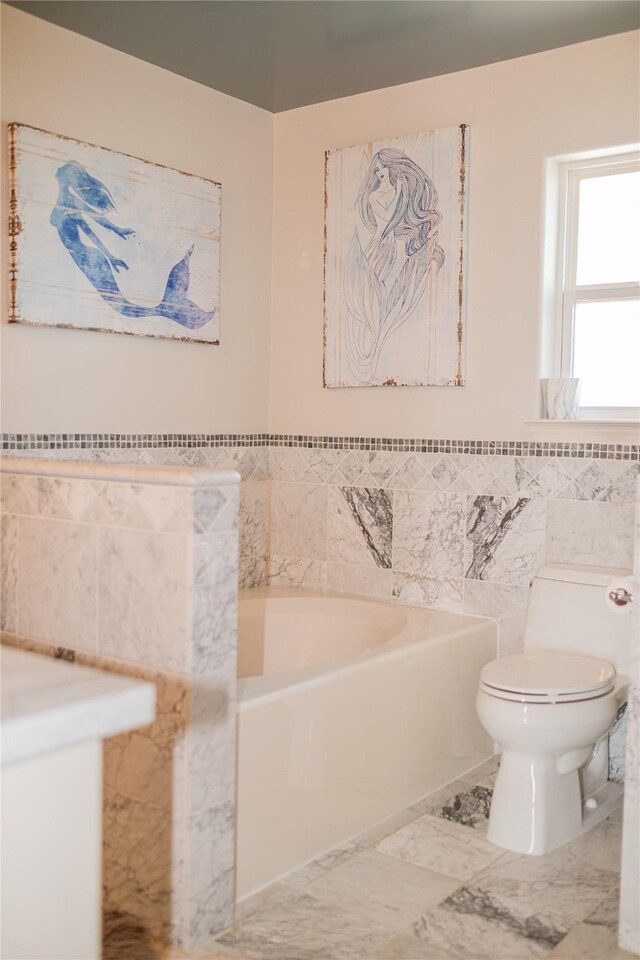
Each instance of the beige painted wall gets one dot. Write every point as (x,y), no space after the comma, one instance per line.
(577,98)
(63,380)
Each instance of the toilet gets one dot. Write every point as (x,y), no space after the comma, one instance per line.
(551,708)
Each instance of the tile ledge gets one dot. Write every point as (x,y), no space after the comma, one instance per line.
(120,472)
(598,431)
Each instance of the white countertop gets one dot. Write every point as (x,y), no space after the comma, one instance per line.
(48,704)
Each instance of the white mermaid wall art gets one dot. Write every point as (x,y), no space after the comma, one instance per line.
(395,215)
(104,241)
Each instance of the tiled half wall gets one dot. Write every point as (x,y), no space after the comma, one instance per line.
(138,575)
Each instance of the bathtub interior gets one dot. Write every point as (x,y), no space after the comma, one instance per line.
(285,633)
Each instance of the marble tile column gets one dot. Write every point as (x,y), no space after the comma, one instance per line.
(134,569)
(629,926)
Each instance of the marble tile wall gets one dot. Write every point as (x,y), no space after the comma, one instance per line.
(629,928)
(142,579)
(251,462)
(464,533)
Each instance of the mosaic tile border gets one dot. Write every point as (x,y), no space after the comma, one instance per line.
(119,441)
(506,448)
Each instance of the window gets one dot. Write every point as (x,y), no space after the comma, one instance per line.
(598,306)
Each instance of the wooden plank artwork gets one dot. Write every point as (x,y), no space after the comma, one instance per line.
(104,241)
(395,236)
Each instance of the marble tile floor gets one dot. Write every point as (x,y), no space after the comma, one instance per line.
(427,885)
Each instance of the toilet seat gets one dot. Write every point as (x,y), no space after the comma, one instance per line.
(547,677)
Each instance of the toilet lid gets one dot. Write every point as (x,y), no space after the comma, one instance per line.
(547,677)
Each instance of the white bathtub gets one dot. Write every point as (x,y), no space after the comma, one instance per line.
(349,710)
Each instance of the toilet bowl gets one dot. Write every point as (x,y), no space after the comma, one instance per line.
(550,709)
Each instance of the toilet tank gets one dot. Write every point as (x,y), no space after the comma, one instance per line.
(568,612)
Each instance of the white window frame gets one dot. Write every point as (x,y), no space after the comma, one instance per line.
(568,293)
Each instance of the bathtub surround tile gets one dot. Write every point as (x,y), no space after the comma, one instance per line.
(291,464)
(319,465)
(299,520)
(303,927)
(511,635)
(351,465)
(590,533)
(439,593)
(253,533)
(593,481)
(427,485)
(548,478)
(498,600)
(383,889)
(297,572)
(623,487)
(367,581)
(252,571)
(143,597)
(477,475)
(428,534)
(409,474)
(58,582)
(440,845)
(382,467)
(9,573)
(505,539)
(513,473)
(360,526)
(445,472)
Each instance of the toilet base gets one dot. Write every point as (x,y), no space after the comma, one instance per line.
(536,809)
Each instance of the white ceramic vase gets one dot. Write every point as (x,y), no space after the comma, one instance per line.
(561,398)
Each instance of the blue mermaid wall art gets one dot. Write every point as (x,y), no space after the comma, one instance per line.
(104,241)
(395,261)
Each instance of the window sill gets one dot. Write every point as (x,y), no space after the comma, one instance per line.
(579,431)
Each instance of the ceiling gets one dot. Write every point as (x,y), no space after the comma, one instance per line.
(280,54)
